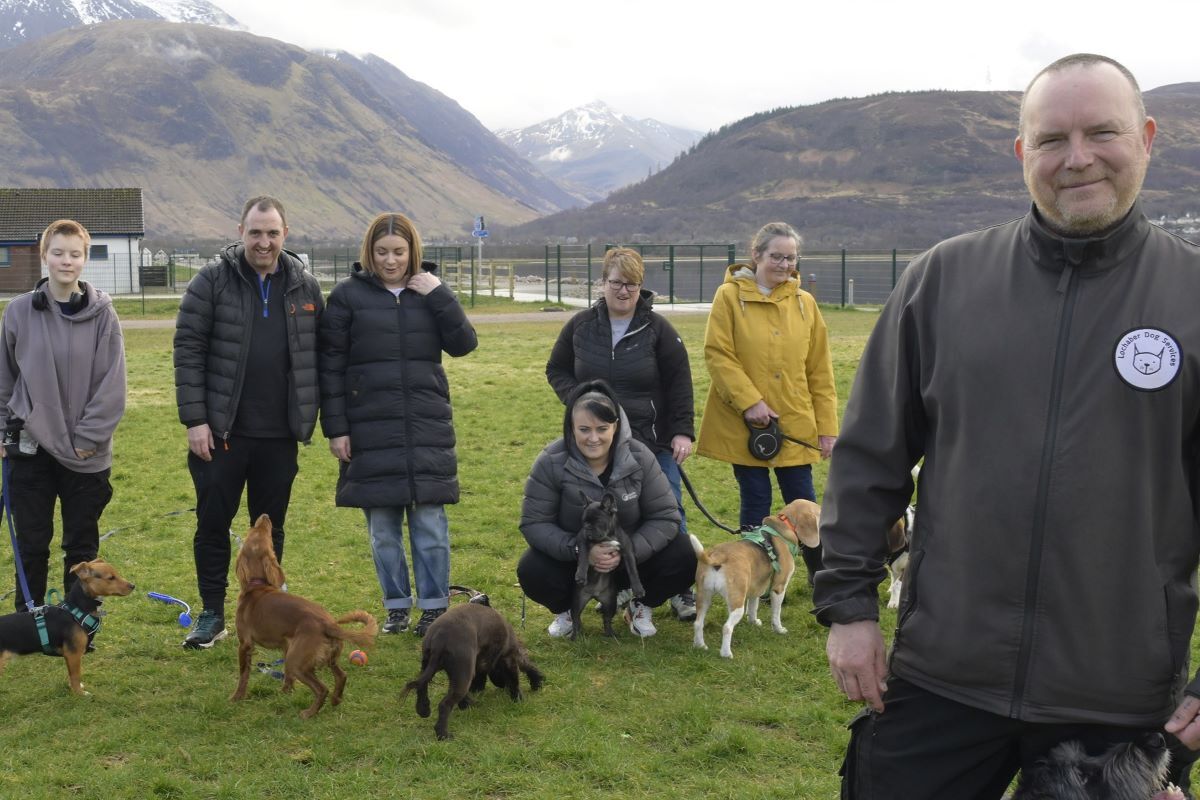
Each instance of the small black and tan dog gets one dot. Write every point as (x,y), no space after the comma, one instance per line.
(600,525)
(68,627)
(472,642)
(1129,771)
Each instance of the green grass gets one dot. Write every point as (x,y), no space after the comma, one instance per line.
(165,307)
(616,718)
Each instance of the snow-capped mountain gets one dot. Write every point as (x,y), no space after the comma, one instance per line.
(26,20)
(594,149)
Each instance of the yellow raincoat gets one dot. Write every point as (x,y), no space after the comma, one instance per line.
(766,347)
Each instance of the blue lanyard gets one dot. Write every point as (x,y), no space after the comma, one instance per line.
(264,286)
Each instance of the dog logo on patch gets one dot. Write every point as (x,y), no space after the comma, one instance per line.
(1147,359)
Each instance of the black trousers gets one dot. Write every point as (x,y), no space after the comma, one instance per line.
(925,747)
(665,574)
(35,484)
(265,468)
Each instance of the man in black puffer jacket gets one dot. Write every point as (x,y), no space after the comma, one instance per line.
(246,374)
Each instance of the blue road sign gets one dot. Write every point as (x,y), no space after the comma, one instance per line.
(480,234)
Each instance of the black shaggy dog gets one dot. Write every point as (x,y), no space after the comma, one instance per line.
(472,643)
(1128,771)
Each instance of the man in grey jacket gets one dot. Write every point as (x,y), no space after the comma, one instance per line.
(1048,372)
(246,387)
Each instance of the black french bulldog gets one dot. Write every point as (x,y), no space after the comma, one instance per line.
(600,525)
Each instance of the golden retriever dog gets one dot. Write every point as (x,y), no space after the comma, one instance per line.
(307,634)
(742,570)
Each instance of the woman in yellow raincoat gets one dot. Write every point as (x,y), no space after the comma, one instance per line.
(767,351)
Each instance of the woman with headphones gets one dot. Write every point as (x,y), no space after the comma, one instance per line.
(62,393)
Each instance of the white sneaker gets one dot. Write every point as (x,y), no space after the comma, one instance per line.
(638,617)
(561,626)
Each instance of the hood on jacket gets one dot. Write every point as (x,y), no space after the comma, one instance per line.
(97,300)
(358,271)
(624,434)
(738,271)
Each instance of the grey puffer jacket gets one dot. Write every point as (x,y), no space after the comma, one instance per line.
(552,510)
(212,343)
(1053,388)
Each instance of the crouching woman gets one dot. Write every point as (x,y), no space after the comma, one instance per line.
(596,455)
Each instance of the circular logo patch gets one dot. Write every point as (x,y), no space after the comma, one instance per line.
(1147,358)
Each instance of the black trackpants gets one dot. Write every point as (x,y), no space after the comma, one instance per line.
(265,468)
(35,484)
(665,574)
(925,747)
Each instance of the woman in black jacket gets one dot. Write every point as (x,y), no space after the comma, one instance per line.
(623,341)
(385,408)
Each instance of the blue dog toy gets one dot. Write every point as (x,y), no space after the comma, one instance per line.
(185,616)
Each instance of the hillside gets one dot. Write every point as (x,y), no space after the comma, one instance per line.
(202,118)
(890,170)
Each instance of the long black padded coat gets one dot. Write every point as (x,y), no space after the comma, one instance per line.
(382,383)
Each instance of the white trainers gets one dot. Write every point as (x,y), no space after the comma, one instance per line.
(638,617)
(561,626)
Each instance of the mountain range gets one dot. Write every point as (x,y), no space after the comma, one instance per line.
(202,118)
(891,170)
(26,20)
(593,149)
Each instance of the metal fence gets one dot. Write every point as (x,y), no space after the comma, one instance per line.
(678,273)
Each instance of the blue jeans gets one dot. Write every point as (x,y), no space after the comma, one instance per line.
(754,484)
(671,470)
(795,483)
(429,535)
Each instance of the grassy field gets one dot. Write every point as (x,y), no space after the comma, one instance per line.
(616,718)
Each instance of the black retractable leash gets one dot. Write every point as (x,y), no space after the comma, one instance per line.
(766,442)
(696,499)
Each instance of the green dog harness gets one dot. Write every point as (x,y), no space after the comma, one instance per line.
(762,536)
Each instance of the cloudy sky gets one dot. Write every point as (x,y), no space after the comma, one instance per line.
(701,64)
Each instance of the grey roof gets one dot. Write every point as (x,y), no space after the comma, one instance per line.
(25,213)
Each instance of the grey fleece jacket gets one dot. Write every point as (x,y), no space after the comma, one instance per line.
(64,376)
(1053,388)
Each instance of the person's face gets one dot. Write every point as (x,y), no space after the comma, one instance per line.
(263,233)
(775,264)
(390,254)
(1083,148)
(593,436)
(65,257)
(622,299)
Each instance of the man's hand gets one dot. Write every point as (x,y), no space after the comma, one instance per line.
(1185,722)
(826,444)
(200,441)
(681,448)
(856,660)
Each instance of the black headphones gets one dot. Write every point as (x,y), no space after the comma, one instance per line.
(75,302)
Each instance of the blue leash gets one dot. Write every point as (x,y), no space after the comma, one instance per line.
(12,533)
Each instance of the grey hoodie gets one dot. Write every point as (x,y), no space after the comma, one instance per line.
(64,376)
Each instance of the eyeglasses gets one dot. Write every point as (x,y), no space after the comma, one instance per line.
(779,258)
(617,285)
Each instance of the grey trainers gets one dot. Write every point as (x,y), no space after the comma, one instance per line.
(561,626)
(209,629)
(639,619)
(684,606)
(428,615)
(397,621)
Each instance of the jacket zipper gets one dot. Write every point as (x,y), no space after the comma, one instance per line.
(1033,574)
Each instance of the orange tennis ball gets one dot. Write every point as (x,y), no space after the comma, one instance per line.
(358,658)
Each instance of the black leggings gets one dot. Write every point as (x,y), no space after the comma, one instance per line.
(665,574)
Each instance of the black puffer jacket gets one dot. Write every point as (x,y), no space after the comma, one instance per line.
(383,385)
(212,342)
(648,369)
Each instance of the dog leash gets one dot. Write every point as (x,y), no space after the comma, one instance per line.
(696,499)
(12,533)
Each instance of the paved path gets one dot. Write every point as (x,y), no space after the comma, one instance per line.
(561,316)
